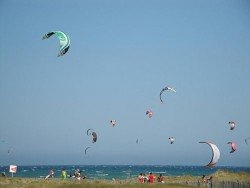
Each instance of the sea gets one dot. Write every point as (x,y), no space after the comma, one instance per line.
(118,172)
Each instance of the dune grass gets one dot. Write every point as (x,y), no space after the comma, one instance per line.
(57,183)
(170,182)
(223,175)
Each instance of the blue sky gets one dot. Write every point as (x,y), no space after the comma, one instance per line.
(122,54)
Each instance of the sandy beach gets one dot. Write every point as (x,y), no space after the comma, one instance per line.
(220,179)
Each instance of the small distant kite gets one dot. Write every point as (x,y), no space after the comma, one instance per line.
(171,139)
(64,41)
(231,125)
(233,146)
(138,140)
(113,122)
(215,154)
(10,151)
(5,144)
(246,140)
(166,89)
(86,150)
(94,135)
(149,113)
(89,131)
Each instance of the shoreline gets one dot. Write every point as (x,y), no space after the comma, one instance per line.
(118,172)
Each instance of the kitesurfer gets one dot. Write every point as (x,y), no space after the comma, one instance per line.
(51,174)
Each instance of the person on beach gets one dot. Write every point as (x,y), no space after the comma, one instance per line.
(70,174)
(77,174)
(204,180)
(3,172)
(160,179)
(64,174)
(145,178)
(151,178)
(51,174)
(210,181)
(141,178)
(83,176)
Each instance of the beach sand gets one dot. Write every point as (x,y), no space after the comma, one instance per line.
(220,179)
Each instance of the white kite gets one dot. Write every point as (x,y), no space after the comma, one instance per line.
(231,125)
(171,139)
(113,122)
(215,154)
(165,89)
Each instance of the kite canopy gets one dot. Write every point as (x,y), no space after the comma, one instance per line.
(149,113)
(7,146)
(231,125)
(113,122)
(171,139)
(165,89)
(138,140)
(215,154)
(233,146)
(246,140)
(89,131)
(94,135)
(86,150)
(64,41)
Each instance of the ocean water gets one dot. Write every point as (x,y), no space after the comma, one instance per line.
(120,172)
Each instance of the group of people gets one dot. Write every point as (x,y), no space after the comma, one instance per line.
(142,178)
(76,174)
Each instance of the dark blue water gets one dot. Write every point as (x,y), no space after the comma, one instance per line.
(120,171)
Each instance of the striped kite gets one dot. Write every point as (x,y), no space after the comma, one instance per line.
(64,41)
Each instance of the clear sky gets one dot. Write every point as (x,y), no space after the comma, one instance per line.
(122,53)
